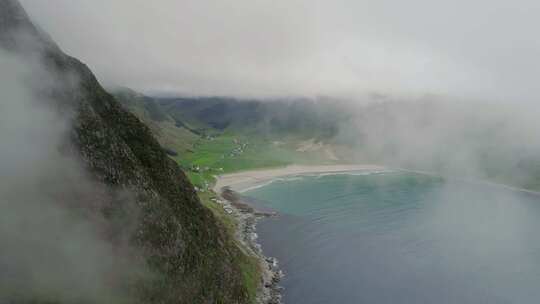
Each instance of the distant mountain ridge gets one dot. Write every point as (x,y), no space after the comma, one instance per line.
(303,117)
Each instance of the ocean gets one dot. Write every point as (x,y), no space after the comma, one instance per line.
(396,237)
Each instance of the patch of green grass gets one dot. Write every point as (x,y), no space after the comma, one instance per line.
(251,272)
(202,180)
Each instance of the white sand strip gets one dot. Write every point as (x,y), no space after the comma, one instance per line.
(247,179)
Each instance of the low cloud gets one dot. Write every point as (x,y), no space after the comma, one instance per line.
(481,49)
(56,244)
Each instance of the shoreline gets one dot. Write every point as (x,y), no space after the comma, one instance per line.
(242,181)
(228,188)
(269,292)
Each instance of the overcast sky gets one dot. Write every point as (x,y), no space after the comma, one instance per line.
(475,49)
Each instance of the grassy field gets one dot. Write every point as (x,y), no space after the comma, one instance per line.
(230,153)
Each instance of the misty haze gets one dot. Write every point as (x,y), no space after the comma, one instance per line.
(269,151)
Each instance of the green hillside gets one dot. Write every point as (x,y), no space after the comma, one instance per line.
(176,249)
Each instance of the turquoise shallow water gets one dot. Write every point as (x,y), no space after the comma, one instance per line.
(401,238)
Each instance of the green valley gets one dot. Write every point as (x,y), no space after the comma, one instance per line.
(205,147)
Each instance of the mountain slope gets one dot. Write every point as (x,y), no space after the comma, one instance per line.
(190,257)
(175,137)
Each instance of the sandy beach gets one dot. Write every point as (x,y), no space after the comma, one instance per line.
(243,180)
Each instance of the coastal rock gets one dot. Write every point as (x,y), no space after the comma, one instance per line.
(247,217)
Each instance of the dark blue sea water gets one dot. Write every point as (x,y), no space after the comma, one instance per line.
(402,238)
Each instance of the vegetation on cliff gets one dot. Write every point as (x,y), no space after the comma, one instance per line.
(187,253)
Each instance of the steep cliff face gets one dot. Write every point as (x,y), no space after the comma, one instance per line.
(189,257)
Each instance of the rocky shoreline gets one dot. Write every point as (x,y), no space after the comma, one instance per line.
(247,217)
